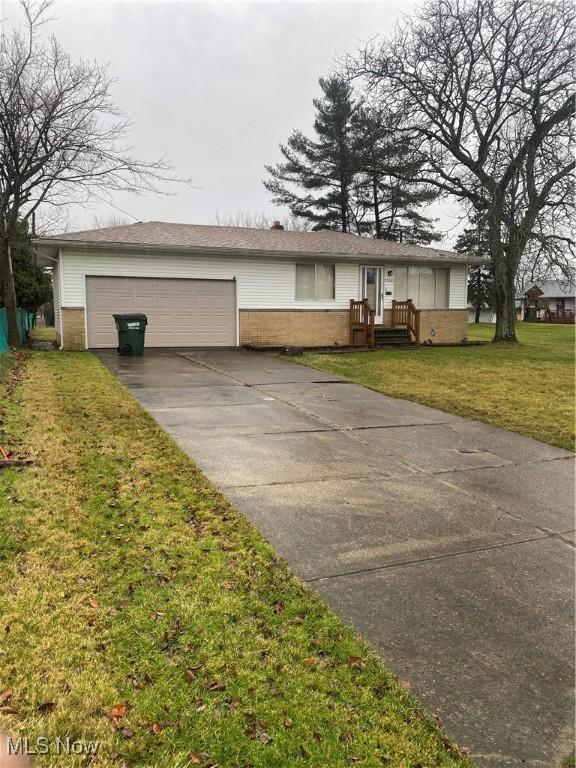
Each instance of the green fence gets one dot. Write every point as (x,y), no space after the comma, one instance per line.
(25,320)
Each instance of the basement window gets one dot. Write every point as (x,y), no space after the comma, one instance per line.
(315,282)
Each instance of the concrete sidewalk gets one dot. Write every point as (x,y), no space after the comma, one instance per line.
(448,544)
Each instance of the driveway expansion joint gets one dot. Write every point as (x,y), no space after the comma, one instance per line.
(330,479)
(428,559)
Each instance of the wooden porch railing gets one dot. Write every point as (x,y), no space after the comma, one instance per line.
(559,316)
(361,323)
(405,313)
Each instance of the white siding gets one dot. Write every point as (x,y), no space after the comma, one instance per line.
(261,283)
(56,295)
(458,288)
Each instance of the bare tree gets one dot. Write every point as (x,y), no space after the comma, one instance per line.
(485,88)
(60,136)
(539,264)
(260,221)
(101,222)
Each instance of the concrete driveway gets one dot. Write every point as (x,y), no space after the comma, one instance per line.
(446,543)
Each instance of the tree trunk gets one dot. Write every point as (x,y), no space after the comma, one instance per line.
(478,293)
(344,225)
(377,222)
(505,301)
(9,292)
(504,274)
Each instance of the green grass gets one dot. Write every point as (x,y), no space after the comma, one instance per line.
(132,588)
(43,333)
(5,366)
(527,388)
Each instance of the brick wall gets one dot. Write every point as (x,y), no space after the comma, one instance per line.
(73,330)
(300,328)
(449,325)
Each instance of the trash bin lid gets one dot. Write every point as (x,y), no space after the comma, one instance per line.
(132,316)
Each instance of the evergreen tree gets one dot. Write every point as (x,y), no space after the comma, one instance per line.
(481,285)
(389,207)
(317,177)
(346,178)
(33,285)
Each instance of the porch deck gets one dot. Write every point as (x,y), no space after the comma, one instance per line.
(403,330)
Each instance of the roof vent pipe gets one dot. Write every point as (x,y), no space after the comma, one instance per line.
(276,225)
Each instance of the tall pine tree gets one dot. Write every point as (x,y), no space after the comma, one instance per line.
(317,177)
(345,178)
(389,208)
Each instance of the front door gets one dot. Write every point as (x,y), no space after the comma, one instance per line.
(372,279)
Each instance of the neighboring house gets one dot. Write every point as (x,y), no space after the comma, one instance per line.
(551,301)
(228,286)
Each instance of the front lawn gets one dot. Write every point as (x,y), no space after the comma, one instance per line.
(527,388)
(141,611)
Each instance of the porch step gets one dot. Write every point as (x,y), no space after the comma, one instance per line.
(393,337)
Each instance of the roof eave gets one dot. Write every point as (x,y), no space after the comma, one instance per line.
(88,245)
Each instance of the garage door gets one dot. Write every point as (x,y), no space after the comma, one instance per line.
(181,313)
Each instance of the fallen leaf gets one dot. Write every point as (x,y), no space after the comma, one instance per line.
(192,673)
(8,711)
(6,695)
(126,733)
(215,685)
(46,707)
(288,722)
(257,730)
(195,758)
(311,661)
(118,711)
(356,662)
(156,728)
(93,603)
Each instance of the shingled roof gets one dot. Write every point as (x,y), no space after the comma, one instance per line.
(168,236)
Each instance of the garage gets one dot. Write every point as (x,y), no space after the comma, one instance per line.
(181,312)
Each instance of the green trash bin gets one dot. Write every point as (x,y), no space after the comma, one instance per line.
(131,332)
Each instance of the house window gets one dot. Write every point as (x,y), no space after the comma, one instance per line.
(315,282)
(428,287)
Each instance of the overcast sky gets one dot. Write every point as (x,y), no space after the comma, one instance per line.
(214,87)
